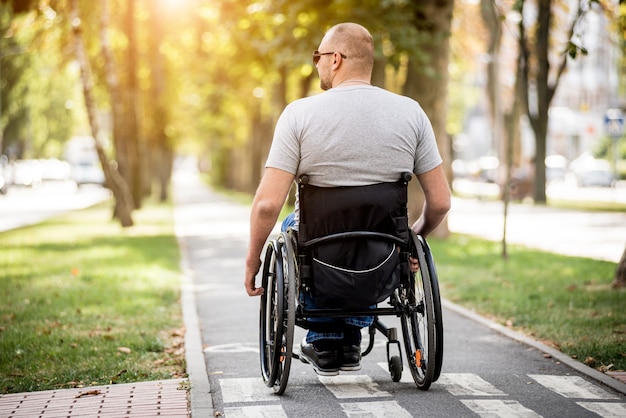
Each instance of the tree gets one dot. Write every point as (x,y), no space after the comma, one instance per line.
(114,180)
(35,113)
(541,71)
(620,273)
(427,79)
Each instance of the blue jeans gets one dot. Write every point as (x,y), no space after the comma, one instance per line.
(312,336)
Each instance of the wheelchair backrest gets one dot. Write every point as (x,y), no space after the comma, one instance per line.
(350,241)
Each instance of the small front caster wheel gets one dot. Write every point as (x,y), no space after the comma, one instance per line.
(395,368)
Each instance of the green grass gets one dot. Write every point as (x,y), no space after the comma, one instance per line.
(87,302)
(566,302)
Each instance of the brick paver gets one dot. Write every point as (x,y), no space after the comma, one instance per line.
(165,398)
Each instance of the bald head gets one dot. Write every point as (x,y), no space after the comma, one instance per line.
(355,42)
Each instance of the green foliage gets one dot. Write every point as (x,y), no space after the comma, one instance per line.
(100,304)
(567,302)
(37,85)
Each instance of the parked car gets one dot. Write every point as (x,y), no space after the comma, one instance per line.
(55,169)
(88,172)
(3,184)
(27,173)
(592,172)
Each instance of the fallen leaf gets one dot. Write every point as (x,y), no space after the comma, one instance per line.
(88,393)
(114,378)
(124,350)
(590,361)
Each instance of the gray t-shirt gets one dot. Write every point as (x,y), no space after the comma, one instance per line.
(353,136)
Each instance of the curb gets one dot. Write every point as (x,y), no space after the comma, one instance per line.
(201,401)
(524,339)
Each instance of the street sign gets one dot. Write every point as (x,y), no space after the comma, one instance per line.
(614,123)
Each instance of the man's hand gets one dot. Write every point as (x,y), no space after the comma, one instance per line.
(252,268)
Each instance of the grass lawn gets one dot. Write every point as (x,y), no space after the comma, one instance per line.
(565,302)
(87,302)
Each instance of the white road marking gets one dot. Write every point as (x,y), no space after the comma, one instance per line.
(605,409)
(493,408)
(572,387)
(250,389)
(468,384)
(382,409)
(359,386)
(258,411)
(233,348)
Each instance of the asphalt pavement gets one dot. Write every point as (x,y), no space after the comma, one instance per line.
(202,217)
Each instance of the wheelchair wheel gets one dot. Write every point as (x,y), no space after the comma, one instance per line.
(434,282)
(277,316)
(418,323)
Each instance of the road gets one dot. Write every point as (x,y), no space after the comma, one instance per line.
(23,206)
(485,373)
(598,235)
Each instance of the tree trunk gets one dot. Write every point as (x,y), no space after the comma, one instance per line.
(538,101)
(115,97)
(620,273)
(428,82)
(114,181)
(162,152)
(133,175)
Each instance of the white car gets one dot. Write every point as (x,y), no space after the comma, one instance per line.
(88,172)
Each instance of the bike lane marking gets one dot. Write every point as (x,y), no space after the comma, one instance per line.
(375,409)
(572,387)
(359,386)
(256,411)
(605,409)
(499,408)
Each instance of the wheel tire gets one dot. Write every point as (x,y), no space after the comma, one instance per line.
(434,283)
(287,256)
(395,368)
(418,324)
(270,316)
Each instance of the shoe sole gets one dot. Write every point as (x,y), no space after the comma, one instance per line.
(320,372)
(353,368)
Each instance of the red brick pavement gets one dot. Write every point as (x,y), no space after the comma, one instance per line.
(166,398)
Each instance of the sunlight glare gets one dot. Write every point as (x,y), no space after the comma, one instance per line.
(172,5)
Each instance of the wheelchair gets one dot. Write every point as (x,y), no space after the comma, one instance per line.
(351,253)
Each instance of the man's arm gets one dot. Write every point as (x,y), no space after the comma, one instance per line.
(268,201)
(436,203)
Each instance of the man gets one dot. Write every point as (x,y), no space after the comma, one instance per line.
(352,134)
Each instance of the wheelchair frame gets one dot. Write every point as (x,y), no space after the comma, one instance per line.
(416,301)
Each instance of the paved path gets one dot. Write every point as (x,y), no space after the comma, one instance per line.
(204,219)
(166,398)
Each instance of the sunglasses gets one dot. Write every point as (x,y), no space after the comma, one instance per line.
(317,55)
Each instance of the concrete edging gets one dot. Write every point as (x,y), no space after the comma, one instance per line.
(200,392)
(524,339)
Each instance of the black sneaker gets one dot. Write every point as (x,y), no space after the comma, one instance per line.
(350,350)
(324,362)
(350,358)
